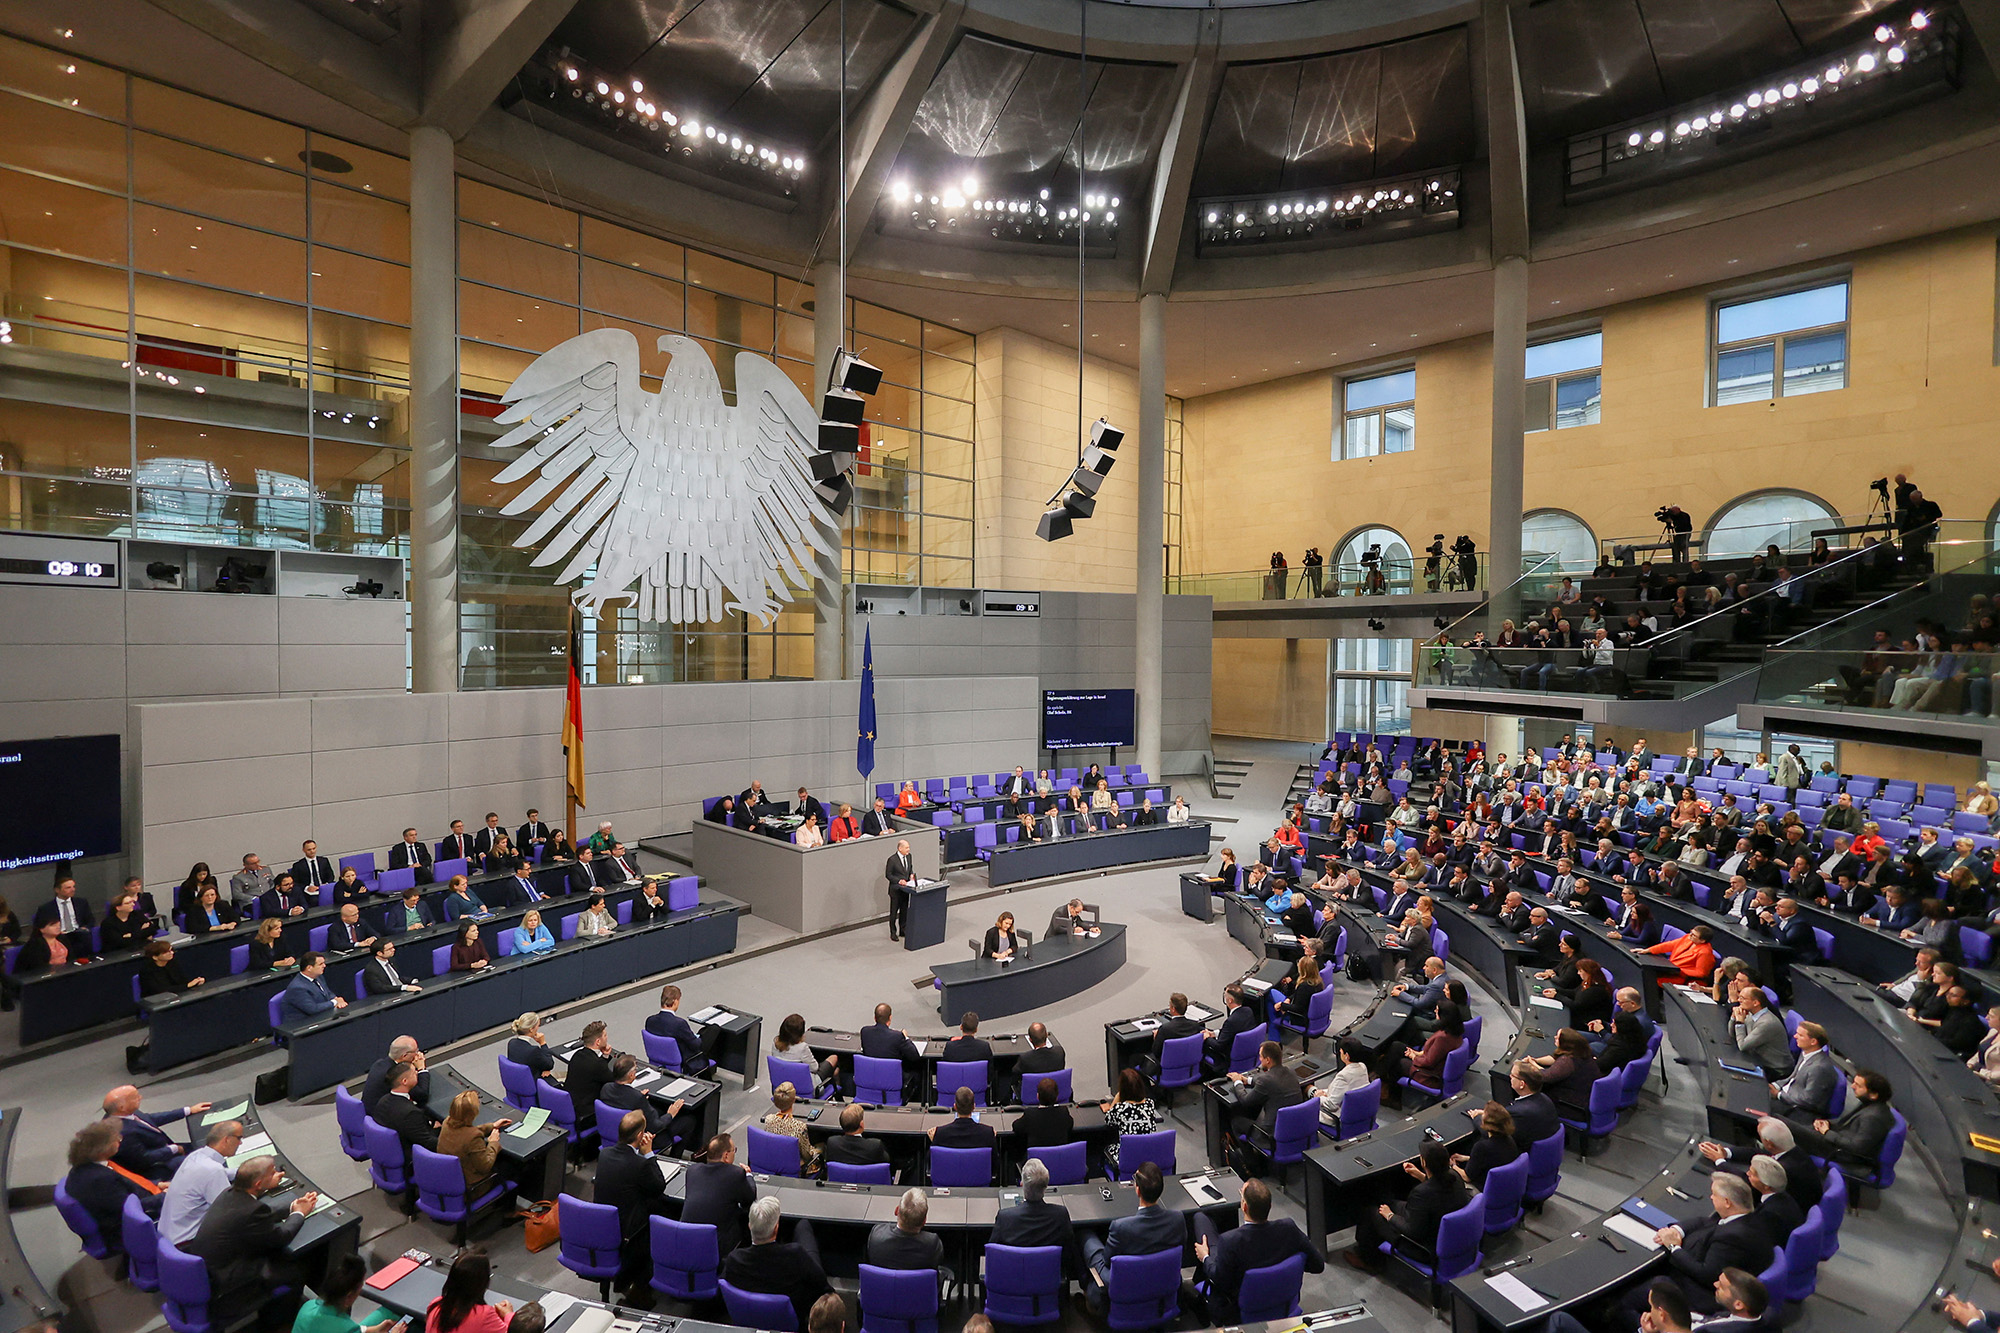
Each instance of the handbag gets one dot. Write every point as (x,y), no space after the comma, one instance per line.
(538,1225)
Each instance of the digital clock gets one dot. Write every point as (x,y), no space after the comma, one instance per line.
(65,569)
(58,561)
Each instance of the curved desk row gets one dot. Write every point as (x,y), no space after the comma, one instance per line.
(1056,968)
(24,1301)
(329,1048)
(1019,862)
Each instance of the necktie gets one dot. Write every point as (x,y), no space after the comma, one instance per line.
(394,980)
(65,907)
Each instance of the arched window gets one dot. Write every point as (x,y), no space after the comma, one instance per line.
(1559,534)
(1784,519)
(1355,577)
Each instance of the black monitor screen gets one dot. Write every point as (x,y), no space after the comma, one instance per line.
(62,799)
(1086,719)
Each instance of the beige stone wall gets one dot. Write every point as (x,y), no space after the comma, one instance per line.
(1276,691)
(1910,764)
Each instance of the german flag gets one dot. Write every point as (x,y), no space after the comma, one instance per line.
(572,733)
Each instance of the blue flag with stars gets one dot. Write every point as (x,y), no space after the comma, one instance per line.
(864,734)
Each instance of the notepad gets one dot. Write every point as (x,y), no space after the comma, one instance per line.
(222,1113)
(680,1087)
(1656,1218)
(530,1125)
(389,1275)
(325,1202)
(650,1076)
(1523,1296)
(1633,1229)
(256,1143)
(1200,1014)
(554,1303)
(1203,1191)
(1544,1002)
(923,1047)
(1146,1024)
(710,1015)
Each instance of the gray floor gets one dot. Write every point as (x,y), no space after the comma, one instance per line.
(837,980)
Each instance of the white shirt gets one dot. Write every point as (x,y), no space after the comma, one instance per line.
(1178,814)
(198,1183)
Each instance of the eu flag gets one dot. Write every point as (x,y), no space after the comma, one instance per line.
(864,734)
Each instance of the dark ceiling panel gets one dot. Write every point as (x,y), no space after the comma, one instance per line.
(1817,21)
(1708,46)
(614,33)
(1424,117)
(1127,118)
(712,56)
(1333,126)
(798,98)
(1244,149)
(1586,63)
(1036,125)
(956,116)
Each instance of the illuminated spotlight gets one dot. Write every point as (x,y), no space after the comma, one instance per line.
(569,72)
(602,87)
(1657,136)
(638,87)
(1866,63)
(1920,20)
(1896,55)
(1885,33)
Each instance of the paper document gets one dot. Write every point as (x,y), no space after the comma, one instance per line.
(1698,996)
(531,1124)
(650,1076)
(256,1143)
(1256,985)
(1520,1293)
(680,1087)
(241,1156)
(1631,1228)
(593,1320)
(1200,1014)
(1146,1024)
(325,1202)
(553,1303)
(923,1047)
(1544,1002)
(1203,1191)
(222,1113)
(709,1015)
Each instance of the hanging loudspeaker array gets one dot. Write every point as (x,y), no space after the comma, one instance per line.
(853,381)
(1078,498)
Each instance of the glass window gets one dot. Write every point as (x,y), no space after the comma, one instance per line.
(195,180)
(635,294)
(1562,537)
(64,293)
(48,139)
(243,133)
(68,219)
(504,211)
(193,249)
(65,441)
(492,315)
(366,287)
(631,249)
(83,508)
(1784,519)
(357,168)
(1564,382)
(1381,415)
(360,222)
(1804,332)
(733,279)
(62,78)
(516,264)
(1387,570)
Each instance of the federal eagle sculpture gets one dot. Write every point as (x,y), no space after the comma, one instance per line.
(688,507)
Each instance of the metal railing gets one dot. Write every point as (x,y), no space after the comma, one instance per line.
(1737,541)
(1391,576)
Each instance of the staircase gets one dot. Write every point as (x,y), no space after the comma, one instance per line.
(1228,777)
(1302,783)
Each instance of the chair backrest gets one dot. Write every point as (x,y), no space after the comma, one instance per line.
(685,1263)
(141,1241)
(1825,938)
(1272,1292)
(560,1105)
(1243,1050)
(1892,1151)
(1456,1062)
(440,960)
(517,1081)
(1475,1027)
(1180,1061)
(1296,1129)
(440,1182)
(1832,1208)
(1135,1150)
(442,871)
(1065,1085)
(1025,1285)
(1802,1252)
(347,1113)
(388,1161)
(590,1236)
(1068,1163)
(239,959)
(363,863)
(660,1050)
(955,1074)
(899,1300)
(849,1173)
(1544,1167)
(1359,1108)
(795,1072)
(395,881)
(1777,1279)
(773,1154)
(1144,1289)
(878,1080)
(95,1243)
(756,1309)
(183,1290)
(606,1118)
(960,1167)
(1459,1235)
(1504,1189)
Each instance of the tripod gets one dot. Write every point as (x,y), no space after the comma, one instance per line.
(1879,512)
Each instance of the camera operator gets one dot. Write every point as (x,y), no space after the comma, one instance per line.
(1467,552)
(1918,523)
(1372,582)
(1315,564)
(1434,563)
(1679,527)
(1274,582)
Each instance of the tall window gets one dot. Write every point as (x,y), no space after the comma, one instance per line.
(1565,382)
(1354,572)
(1781,346)
(1784,519)
(1561,536)
(1371,685)
(1380,415)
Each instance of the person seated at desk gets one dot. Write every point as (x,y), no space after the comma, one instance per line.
(1352,1057)
(905,1244)
(963,1130)
(790,1044)
(1625,1042)
(407,914)
(1101,799)
(622,1092)
(852,1146)
(308,995)
(285,897)
(1760,1034)
(1589,1000)
(879,1041)
(558,847)
(1001,942)
(580,875)
(1693,954)
(461,902)
(774,1268)
(267,947)
(1729,1240)
(529,1047)
(1145,816)
(1035,1223)
(1223,1258)
(1298,916)
(243,1241)
(908,798)
(596,921)
(198,878)
(1150,1230)
(461,1307)
(878,820)
(1292,997)
(1902,915)
(1441,1189)
(780,1120)
(968,1047)
(501,858)
(349,888)
(332,1311)
(468,951)
(99,1188)
(412,853)
(844,825)
(1424,1064)
(530,937)
(1568,1074)
(125,926)
(159,974)
(1178,812)
(1031,831)
(1261,1094)
(398,1109)
(807,835)
(1072,918)
(618,868)
(723,812)
(210,915)
(718,1193)
(518,890)
(694,1046)
(380,975)
(350,932)
(1045,1124)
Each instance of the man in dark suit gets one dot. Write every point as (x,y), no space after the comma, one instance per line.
(630,1181)
(901,873)
(1403,900)
(1034,1223)
(1534,1114)
(531,835)
(962,1131)
(242,1241)
(878,820)
(719,1193)
(411,853)
(412,913)
(1260,1096)
(1043,1124)
(1224,1257)
(1774,1139)
(620,1093)
(1044,1056)
(1543,937)
(589,1071)
(618,867)
(904,1244)
(285,898)
(790,1269)
(142,1148)
(1776,1211)
(667,1022)
(580,876)
(402,1051)
(380,975)
(1808,1090)
(879,1041)
(518,891)
(1146,1231)
(851,1145)
(457,844)
(488,838)
(1072,918)
(1520,875)
(751,797)
(349,932)
(968,1046)
(311,869)
(72,913)
(308,996)
(1790,931)
(1856,1138)
(647,903)
(809,805)
(397,1110)
(1237,1019)
(1696,1254)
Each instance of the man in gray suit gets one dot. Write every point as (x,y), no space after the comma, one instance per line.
(1807,1091)
(1760,1034)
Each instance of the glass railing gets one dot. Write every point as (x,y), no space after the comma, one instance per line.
(1388,577)
(1741,541)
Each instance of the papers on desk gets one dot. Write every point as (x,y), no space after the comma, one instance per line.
(680,1087)
(1145,1024)
(650,1076)
(1544,1002)
(1697,995)
(324,1202)
(1255,985)
(923,1047)
(668,1168)
(222,1113)
(1202,1190)
(712,1014)
(530,1125)
(1283,937)
(256,1143)
(593,1320)
(1201,1014)
(1632,1229)
(1523,1296)
(554,1303)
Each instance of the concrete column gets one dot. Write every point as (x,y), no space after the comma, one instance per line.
(1510,356)
(828,603)
(433,412)
(1149,637)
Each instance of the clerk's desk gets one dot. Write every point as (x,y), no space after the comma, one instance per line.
(1056,968)
(806,889)
(1007,1048)
(1015,863)
(738,1048)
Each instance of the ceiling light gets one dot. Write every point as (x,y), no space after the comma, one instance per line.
(638,87)
(602,87)
(1920,20)
(1896,54)
(1866,62)
(1885,33)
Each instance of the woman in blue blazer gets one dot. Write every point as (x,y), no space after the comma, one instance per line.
(531,936)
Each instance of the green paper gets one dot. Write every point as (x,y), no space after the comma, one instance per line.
(530,1124)
(325,1202)
(236,1112)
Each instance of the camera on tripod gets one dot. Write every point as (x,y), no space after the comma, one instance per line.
(1664,514)
(1880,486)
